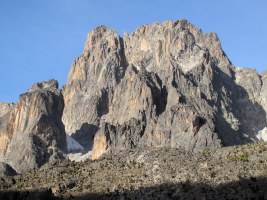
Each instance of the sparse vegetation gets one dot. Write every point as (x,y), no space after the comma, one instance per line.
(158,172)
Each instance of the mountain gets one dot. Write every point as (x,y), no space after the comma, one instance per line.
(164,85)
(32,132)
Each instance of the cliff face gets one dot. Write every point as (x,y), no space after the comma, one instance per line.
(163,85)
(34,130)
(92,78)
(5,109)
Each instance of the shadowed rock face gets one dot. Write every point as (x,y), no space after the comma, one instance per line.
(162,85)
(34,130)
(6,170)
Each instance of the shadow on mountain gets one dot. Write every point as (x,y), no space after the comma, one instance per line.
(85,135)
(253,188)
(250,115)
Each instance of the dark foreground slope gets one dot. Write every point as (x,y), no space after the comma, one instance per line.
(238,172)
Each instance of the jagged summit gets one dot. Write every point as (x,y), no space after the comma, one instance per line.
(51,84)
(176,37)
(164,84)
(131,89)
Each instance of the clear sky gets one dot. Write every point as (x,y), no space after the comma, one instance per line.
(39,39)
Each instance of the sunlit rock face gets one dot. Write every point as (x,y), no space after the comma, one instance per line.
(91,82)
(5,108)
(33,130)
(164,84)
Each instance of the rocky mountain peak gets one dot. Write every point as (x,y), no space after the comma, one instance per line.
(164,85)
(32,132)
(99,35)
(103,52)
(173,41)
(48,85)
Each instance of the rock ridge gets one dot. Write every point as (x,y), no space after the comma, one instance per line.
(164,85)
(33,132)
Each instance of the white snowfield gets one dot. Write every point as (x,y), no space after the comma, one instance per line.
(262,135)
(72,144)
(79,157)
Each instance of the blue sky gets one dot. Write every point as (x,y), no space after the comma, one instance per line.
(40,38)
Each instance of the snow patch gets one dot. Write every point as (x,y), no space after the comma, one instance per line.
(262,135)
(247,136)
(72,144)
(79,157)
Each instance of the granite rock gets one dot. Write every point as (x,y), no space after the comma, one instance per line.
(34,130)
(164,84)
(6,170)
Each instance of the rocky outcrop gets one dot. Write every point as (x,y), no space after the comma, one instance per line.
(34,131)
(237,172)
(164,84)
(6,170)
(5,108)
(91,80)
(263,93)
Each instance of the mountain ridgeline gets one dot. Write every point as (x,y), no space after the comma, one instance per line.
(164,85)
